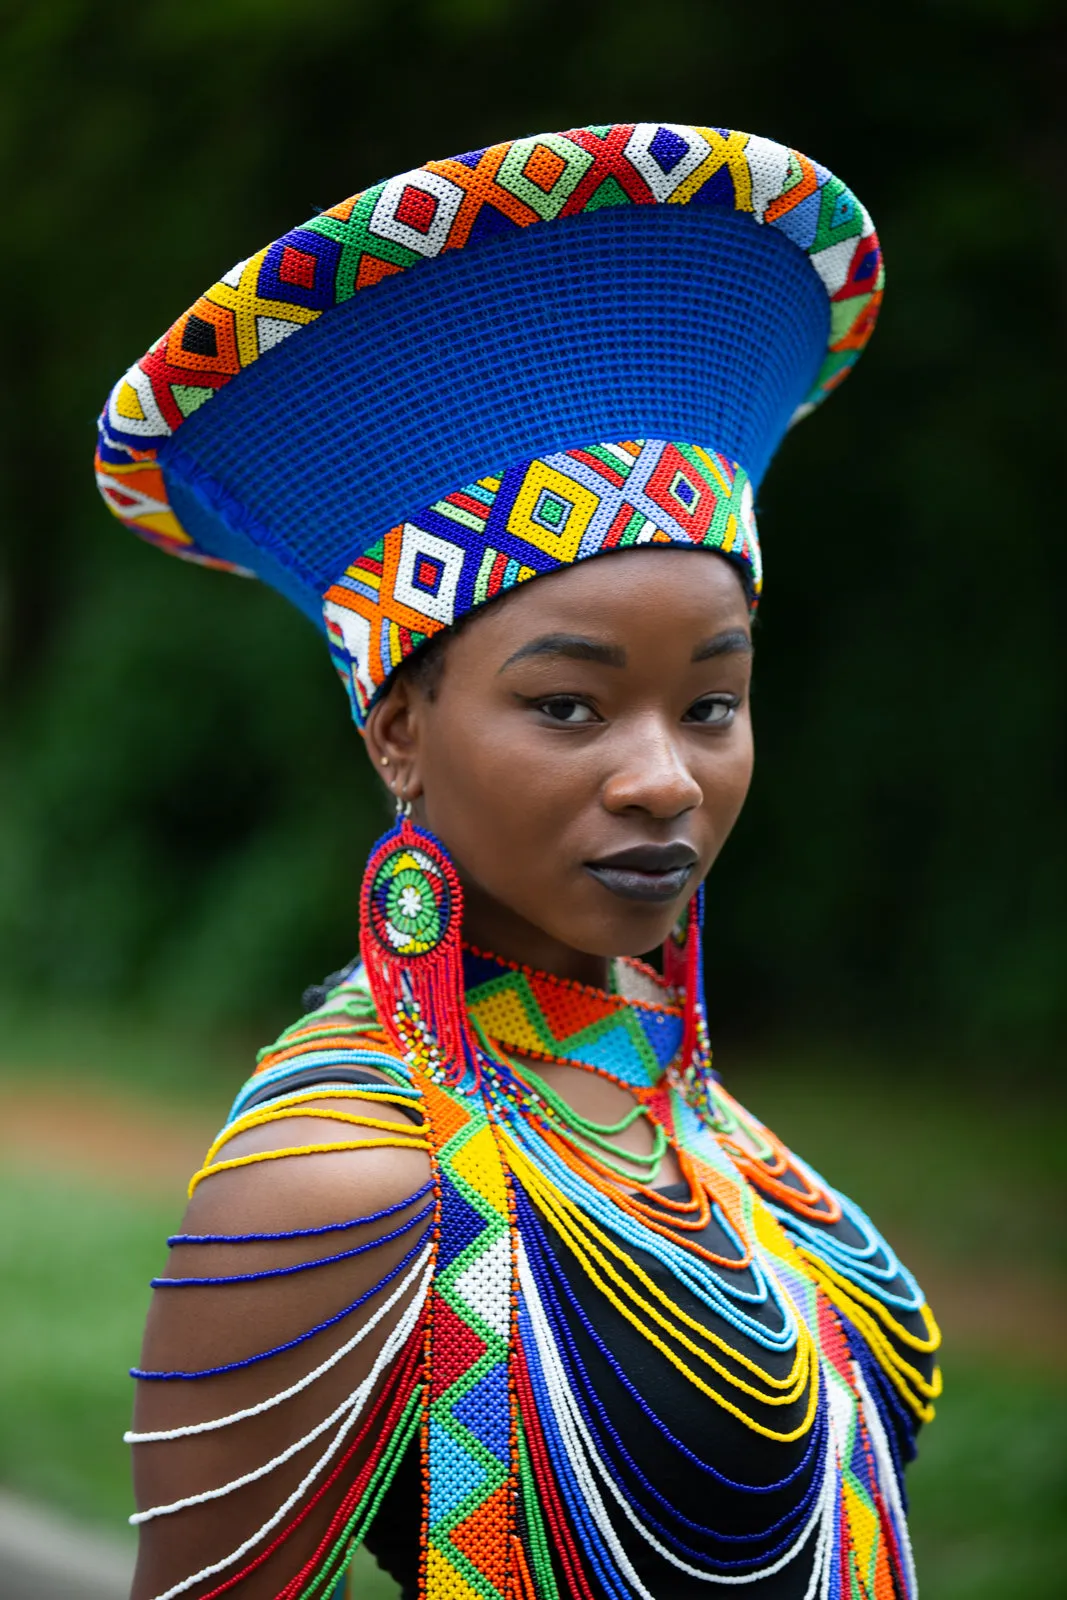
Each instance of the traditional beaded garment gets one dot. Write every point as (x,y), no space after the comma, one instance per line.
(763,1304)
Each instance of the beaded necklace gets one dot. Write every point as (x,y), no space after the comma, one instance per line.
(585,1135)
(801,1330)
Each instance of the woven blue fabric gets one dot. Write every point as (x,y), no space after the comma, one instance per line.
(690,323)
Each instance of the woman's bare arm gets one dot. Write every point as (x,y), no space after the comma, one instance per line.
(192,1328)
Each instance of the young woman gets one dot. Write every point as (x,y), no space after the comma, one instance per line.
(486,1268)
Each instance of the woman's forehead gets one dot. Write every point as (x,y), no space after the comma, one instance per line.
(658,593)
(668,579)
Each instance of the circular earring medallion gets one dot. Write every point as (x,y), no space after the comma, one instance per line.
(410,904)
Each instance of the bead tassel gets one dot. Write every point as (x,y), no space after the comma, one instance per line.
(683,968)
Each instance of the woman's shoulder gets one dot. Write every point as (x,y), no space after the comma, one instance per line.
(330,1116)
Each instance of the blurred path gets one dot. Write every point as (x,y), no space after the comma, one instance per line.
(139,1147)
(1004,1311)
(116,1141)
(43,1556)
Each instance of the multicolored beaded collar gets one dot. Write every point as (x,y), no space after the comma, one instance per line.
(805,1336)
(630,1040)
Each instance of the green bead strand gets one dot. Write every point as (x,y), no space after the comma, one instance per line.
(595,1137)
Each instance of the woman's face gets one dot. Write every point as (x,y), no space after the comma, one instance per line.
(583,754)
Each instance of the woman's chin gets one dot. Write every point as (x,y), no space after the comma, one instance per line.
(633,929)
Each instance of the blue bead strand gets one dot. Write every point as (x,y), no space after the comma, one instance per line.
(299,1233)
(149,1376)
(533,1233)
(300,1266)
(566,1345)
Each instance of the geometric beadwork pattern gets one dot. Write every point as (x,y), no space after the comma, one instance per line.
(468,1466)
(468,1459)
(533,517)
(631,1041)
(521,1470)
(457,204)
(409,904)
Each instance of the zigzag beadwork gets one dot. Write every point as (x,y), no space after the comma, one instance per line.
(538,515)
(468,1465)
(633,1043)
(463,203)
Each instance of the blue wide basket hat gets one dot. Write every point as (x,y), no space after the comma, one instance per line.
(494,366)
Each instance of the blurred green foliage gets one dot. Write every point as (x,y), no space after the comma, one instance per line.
(183,808)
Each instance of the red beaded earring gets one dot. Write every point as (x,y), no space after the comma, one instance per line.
(683,968)
(410,939)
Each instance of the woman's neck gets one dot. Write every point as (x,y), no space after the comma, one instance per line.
(491,926)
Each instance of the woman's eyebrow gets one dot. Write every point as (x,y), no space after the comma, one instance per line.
(572,645)
(735,642)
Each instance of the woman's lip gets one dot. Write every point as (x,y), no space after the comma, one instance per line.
(628,883)
(651,857)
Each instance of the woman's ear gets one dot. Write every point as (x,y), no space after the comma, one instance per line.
(392,739)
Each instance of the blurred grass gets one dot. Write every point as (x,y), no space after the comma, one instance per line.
(989,1490)
(43,1046)
(74,1266)
(970,1175)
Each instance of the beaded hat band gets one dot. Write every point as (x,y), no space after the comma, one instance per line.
(479,541)
(580,300)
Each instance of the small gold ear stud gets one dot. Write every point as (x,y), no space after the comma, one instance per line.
(385,761)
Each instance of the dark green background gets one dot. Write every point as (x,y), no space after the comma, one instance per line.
(184,809)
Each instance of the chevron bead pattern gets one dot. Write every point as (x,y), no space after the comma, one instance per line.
(469,1509)
(634,1043)
(533,517)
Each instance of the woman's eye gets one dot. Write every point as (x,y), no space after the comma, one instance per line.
(714,711)
(565,708)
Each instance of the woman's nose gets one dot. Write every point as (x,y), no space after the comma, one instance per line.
(651,774)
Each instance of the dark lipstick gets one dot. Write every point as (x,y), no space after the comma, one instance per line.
(651,872)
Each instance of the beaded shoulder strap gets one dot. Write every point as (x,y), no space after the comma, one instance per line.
(469,1457)
(469,1545)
